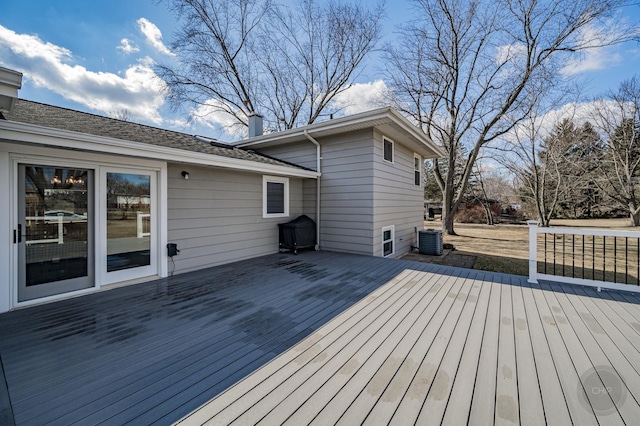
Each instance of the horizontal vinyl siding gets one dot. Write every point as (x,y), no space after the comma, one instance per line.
(347,193)
(215,216)
(347,189)
(300,153)
(397,201)
(309,190)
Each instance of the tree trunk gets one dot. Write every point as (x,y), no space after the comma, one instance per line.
(634,214)
(449,208)
(448,218)
(488,213)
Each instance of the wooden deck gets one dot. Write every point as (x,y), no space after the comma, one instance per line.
(327,338)
(450,346)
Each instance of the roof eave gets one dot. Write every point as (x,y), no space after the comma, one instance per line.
(25,133)
(372,117)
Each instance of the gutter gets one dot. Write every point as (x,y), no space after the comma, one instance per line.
(11,131)
(319,171)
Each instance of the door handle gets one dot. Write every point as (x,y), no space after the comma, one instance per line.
(17,235)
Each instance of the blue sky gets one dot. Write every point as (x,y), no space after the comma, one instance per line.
(97,56)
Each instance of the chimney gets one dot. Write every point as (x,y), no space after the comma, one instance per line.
(255,125)
(10,82)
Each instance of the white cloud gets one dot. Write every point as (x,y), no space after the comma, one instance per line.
(593,59)
(153,35)
(603,53)
(49,66)
(127,46)
(363,97)
(212,115)
(510,52)
(600,113)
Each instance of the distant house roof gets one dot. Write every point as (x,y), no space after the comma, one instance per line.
(48,116)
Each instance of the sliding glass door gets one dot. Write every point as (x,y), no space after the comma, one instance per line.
(130,217)
(55,231)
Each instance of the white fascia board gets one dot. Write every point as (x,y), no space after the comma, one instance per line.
(40,135)
(324,126)
(373,117)
(408,127)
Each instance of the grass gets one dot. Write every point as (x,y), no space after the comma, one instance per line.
(505,248)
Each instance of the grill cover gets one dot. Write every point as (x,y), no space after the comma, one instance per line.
(298,233)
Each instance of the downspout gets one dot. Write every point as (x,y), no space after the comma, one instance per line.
(318,169)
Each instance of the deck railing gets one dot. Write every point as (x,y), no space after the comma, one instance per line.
(143,224)
(34,221)
(600,258)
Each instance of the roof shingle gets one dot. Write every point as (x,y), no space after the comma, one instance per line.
(76,121)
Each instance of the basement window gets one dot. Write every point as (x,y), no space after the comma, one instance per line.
(387,240)
(275,196)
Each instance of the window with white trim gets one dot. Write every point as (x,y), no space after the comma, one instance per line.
(417,169)
(387,240)
(275,196)
(387,149)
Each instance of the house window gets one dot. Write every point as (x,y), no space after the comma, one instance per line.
(417,170)
(275,196)
(387,145)
(387,241)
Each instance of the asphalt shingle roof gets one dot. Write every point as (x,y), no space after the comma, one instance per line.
(67,119)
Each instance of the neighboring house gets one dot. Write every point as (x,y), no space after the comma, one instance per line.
(218,203)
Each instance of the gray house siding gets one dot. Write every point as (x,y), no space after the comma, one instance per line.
(397,200)
(361,193)
(215,217)
(346,188)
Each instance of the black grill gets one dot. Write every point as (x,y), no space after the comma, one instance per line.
(297,234)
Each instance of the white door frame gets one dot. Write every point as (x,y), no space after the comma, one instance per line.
(16,154)
(101,264)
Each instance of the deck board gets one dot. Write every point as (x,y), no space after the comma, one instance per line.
(529,395)
(323,338)
(554,401)
(507,411)
(463,384)
(602,350)
(482,409)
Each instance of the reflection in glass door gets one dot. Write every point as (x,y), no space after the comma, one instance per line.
(129,221)
(55,228)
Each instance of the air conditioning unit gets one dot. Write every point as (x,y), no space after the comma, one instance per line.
(430,242)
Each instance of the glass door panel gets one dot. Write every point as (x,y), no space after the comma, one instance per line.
(55,217)
(129,221)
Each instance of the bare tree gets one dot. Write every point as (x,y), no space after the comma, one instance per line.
(467,71)
(122,114)
(252,56)
(618,171)
(538,163)
(216,57)
(312,53)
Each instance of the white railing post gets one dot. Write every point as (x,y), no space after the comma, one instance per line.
(139,220)
(533,251)
(60,229)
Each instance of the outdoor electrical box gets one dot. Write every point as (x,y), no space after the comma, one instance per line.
(172,249)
